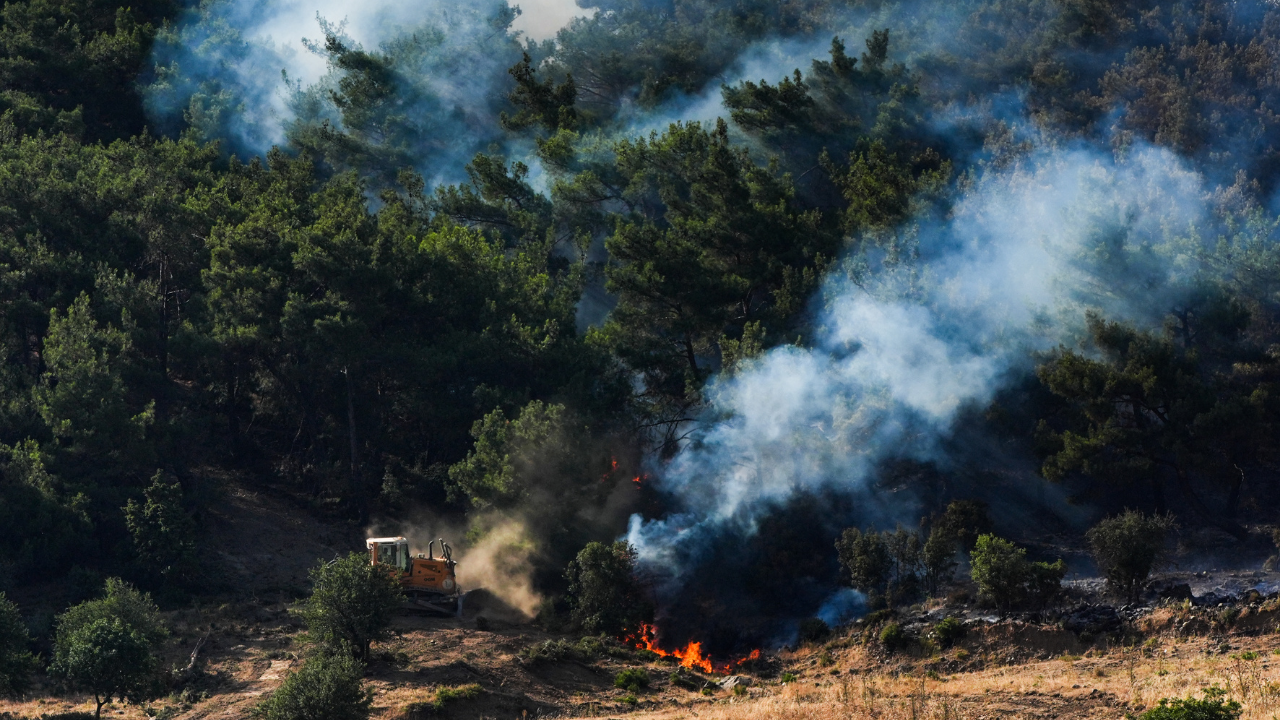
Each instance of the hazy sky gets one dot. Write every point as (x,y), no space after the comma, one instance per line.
(542,18)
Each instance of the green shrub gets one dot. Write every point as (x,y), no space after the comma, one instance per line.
(948,631)
(1127,547)
(327,686)
(630,699)
(604,594)
(108,659)
(351,604)
(1005,576)
(813,630)
(107,647)
(445,696)
(587,649)
(1191,709)
(892,636)
(631,679)
(788,677)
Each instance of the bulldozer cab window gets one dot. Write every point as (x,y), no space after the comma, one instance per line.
(402,561)
(387,554)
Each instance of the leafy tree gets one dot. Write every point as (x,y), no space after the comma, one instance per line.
(865,557)
(163,532)
(326,687)
(1127,547)
(120,601)
(16,661)
(351,604)
(108,646)
(605,594)
(712,242)
(108,659)
(1005,576)
(1160,410)
(886,566)
(84,399)
(540,103)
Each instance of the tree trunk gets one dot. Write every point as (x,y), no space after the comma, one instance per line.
(98,713)
(690,355)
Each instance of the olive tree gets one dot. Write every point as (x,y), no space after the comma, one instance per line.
(107,646)
(351,604)
(108,659)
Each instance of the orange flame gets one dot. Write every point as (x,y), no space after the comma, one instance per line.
(690,655)
(613,467)
(639,479)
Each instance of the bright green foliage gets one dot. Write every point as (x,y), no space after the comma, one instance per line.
(16,661)
(108,646)
(108,659)
(120,601)
(326,687)
(1127,548)
(1192,709)
(632,679)
(892,637)
(489,477)
(947,631)
(1006,578)
(605,594)
(351,604)
(163,532)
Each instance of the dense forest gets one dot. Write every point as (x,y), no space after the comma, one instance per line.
(745,272)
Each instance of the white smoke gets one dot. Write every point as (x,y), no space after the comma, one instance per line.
(900,350)
(541,19)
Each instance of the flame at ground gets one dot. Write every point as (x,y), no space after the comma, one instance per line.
(690,655)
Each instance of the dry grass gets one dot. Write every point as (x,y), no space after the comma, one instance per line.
(1106,685)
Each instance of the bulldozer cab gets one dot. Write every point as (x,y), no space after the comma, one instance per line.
(389,551)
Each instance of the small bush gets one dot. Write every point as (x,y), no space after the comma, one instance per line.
(327,686)
(892,637)
(631,679)
(948,631)
(1191,709)
(788,677)
(1005,576)
(1127,547)
(813,630)
(630,699)
(462,692)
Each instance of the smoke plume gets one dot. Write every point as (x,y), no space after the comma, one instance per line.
(936,319)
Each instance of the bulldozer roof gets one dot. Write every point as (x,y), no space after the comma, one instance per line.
(383,541)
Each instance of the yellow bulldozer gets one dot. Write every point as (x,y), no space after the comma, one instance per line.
(430,583)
